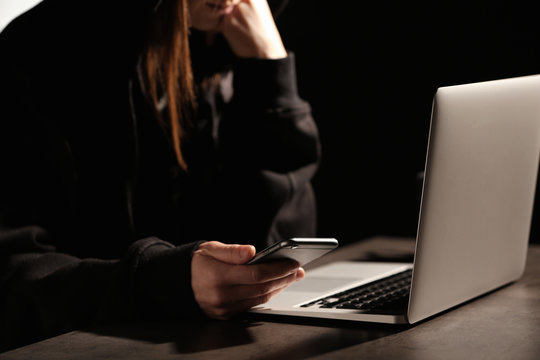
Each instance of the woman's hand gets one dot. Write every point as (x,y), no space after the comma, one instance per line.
(251,31)
(223,286)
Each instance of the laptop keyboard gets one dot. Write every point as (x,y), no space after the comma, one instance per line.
(390,294)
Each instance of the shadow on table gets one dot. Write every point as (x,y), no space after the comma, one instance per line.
(326,336)
(187,336)
(286,337)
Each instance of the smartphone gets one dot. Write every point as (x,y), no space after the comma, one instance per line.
(303,250)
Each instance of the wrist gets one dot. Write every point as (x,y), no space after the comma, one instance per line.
(273,53)
(265,83)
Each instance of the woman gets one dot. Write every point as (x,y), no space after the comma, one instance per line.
(137,144)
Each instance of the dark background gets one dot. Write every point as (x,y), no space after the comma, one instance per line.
(370,69)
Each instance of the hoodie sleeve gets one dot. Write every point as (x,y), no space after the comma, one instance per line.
(270,149)
(267,116)
(44,293)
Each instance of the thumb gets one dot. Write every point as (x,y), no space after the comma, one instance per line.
(232,254)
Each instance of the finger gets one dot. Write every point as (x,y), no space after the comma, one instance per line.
(261,273)
(242,292)
(240,18)
(229,310)
(231,254)
(226,296)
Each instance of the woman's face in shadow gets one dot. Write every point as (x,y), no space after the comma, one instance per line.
(206,15)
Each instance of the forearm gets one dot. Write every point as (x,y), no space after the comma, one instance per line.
(269,151)
(267,125)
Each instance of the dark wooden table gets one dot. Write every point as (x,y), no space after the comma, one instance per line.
(504,324)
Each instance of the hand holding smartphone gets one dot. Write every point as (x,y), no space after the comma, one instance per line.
(302,250)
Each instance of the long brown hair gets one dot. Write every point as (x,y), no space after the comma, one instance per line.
(167,67)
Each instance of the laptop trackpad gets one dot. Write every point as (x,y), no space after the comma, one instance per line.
(340,274)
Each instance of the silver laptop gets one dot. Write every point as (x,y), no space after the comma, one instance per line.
(473,230)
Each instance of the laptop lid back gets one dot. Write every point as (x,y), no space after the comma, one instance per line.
(478,195)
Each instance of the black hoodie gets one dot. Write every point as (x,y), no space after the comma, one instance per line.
(97,221)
